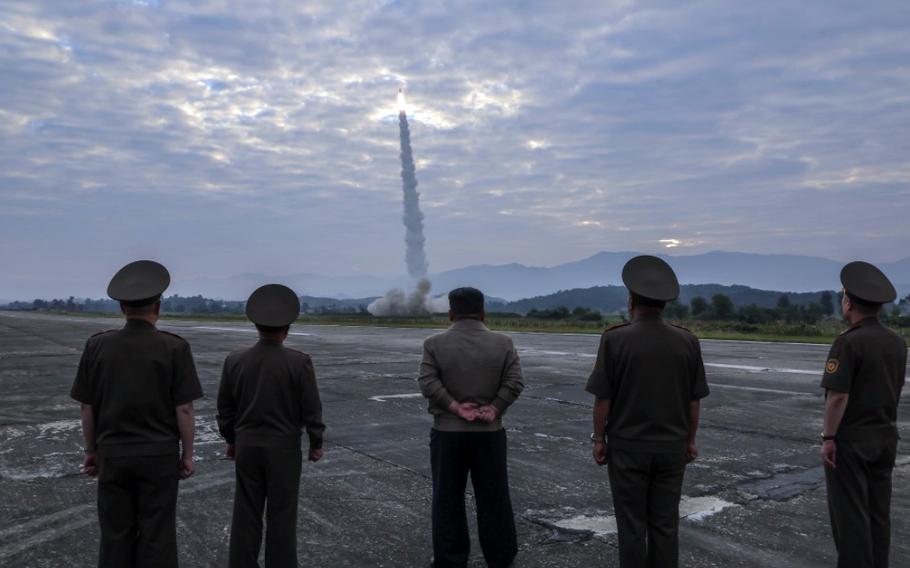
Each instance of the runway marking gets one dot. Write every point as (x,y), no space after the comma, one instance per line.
(692,508)
(759,369)
(717,365)
(560,353)
(240,330)
(385,397)
(760,389)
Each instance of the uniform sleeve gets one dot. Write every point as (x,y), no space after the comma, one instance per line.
(699,381)
(512,381)
(903,376)
(600,382)
(227,406)
(312,407)
(82,385)
(186,383)
(430,380)
(839,368)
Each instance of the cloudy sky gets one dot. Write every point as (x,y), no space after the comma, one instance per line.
(228,137)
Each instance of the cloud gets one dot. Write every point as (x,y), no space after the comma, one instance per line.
(265,139)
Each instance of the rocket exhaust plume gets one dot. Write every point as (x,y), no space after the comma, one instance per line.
(415,257)
(418,302)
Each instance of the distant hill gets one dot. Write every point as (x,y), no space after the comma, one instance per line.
(611,299)
(760,271)
(513,281)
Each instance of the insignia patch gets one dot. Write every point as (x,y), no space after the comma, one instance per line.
(832,366)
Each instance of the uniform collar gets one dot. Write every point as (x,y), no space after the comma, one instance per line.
(471,324)
(652,317)
(871,320)
(136,324)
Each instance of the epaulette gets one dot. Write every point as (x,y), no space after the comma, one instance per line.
(686,329)
(617,326)
(103,332)
(297,351)
(851,328)
(172,334)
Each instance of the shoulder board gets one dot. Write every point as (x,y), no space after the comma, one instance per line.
(171,334)
(617,326)
(103,332)
(849,329)
(686,329)
(297,351)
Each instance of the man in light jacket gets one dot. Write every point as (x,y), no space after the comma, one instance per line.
(470,375)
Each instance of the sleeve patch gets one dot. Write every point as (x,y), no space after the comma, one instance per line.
(832,366)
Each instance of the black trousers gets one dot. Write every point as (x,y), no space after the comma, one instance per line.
(137,511)
(453,456)
(268,480)
(646,489)
(859,502)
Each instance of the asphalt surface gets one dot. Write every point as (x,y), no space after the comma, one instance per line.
(755,496)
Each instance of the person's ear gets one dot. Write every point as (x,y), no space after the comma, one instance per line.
(157,308)
(122,308)
(451,315)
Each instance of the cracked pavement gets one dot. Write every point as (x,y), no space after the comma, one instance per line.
(756,493)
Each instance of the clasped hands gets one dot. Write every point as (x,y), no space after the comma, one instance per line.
(471,411)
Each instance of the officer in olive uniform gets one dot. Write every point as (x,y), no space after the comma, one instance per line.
(648,381)
(863,376)
(137,386)
(267,396)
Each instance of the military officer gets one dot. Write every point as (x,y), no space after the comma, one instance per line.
(863,379)
(648,380)
(137,385)
(267,396)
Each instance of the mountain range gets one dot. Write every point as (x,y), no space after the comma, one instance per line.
(784,272)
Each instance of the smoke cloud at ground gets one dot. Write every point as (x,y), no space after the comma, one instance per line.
(398,303)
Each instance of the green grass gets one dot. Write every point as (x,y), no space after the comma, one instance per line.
(821,333)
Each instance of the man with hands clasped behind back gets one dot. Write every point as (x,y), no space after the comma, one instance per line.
(470,375)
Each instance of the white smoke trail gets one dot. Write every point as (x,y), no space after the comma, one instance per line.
(397,302)
(415,257)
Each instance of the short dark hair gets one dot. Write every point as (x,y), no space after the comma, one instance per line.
(272,329)
(864,306)
(642,301)
(466,301)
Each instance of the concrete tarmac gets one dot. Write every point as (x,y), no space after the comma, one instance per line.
(755,496)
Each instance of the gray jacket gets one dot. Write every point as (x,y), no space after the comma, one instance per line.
(469,363)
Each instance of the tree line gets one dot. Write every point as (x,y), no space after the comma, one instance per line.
(721,307)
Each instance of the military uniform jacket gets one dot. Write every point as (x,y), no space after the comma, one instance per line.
(868,361)
(134,378)
(650,371)
(267,396)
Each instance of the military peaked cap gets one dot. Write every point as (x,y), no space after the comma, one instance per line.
(273,305)
(651,278)
(867,283)
(138,283)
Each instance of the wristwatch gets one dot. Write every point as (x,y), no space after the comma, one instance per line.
(827,438)
(595,439)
